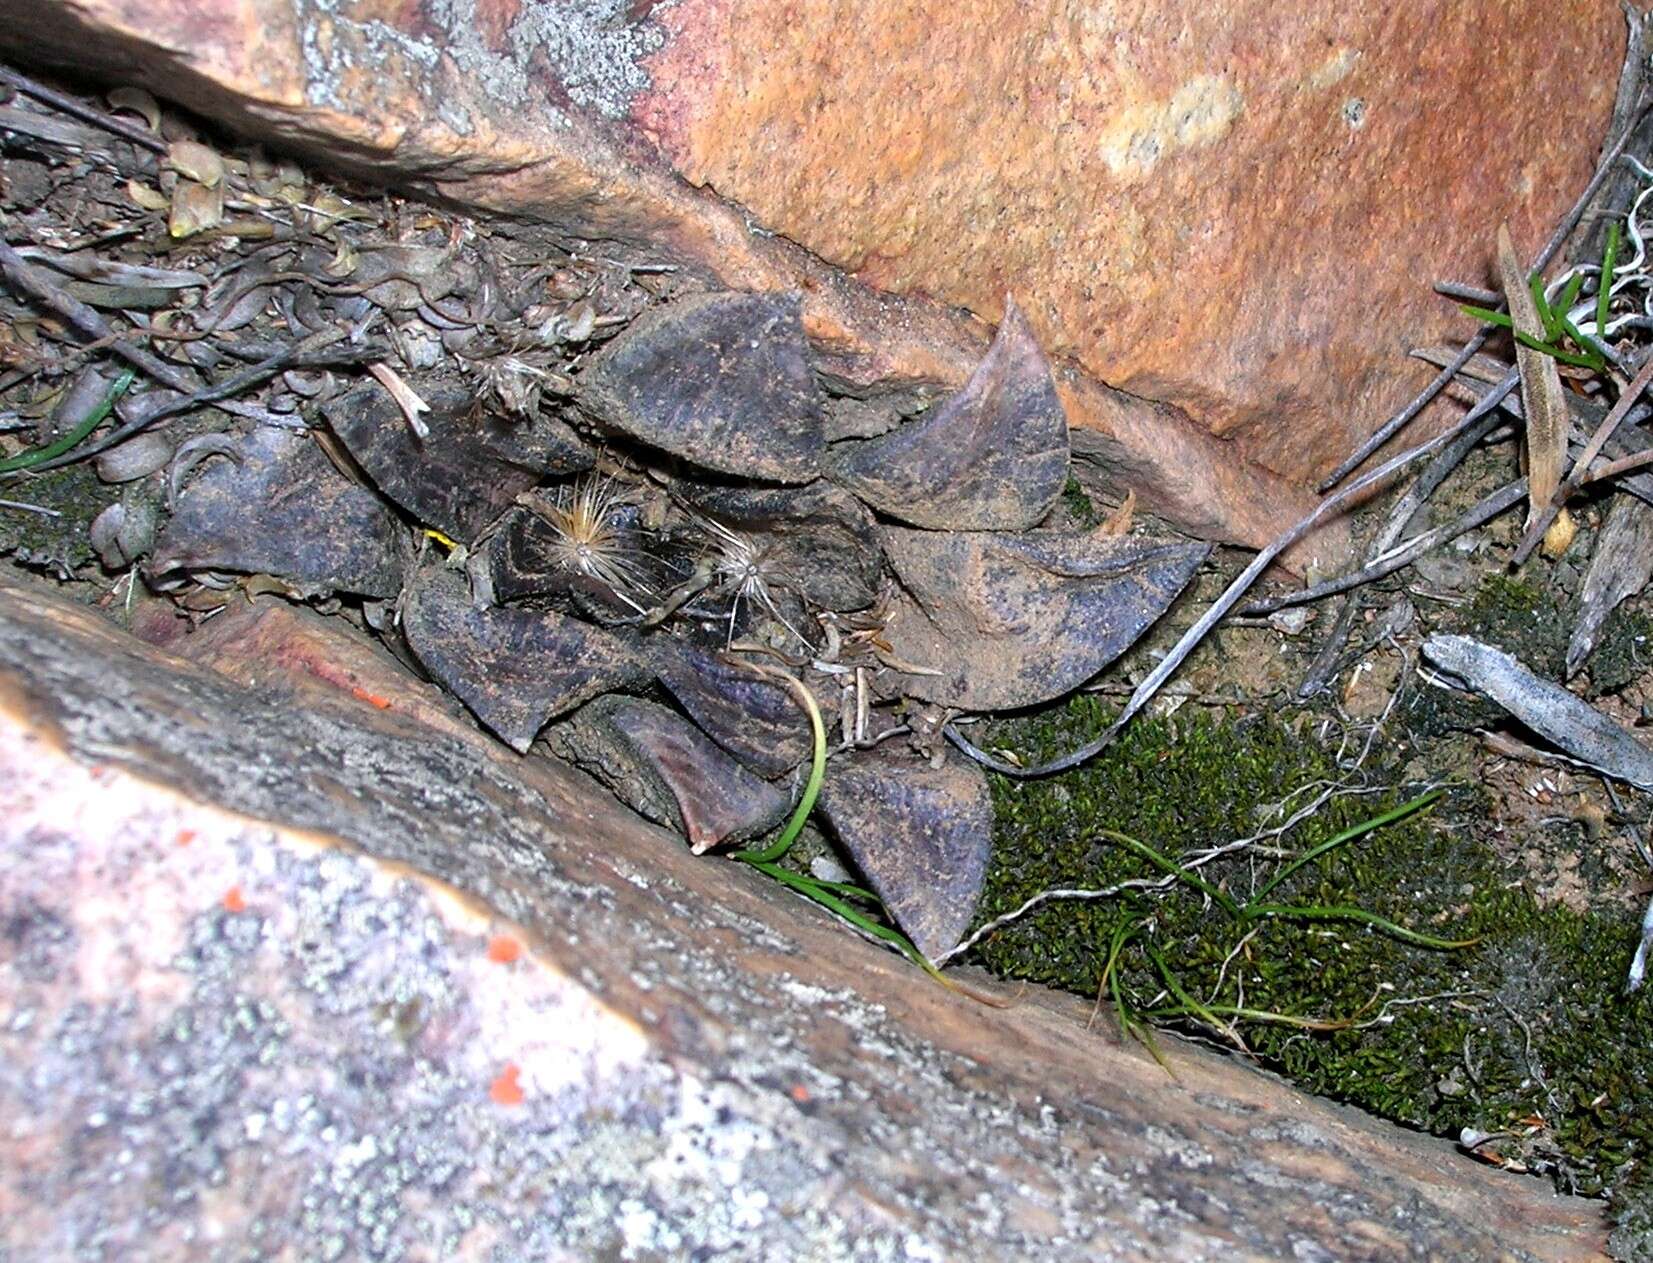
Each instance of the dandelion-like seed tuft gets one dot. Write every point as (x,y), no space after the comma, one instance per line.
(593,541)
(745,570)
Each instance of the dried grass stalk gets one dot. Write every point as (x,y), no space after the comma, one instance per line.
(1543,401)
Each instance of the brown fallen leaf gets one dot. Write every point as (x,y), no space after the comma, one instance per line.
(1543,401)
(196,161)
(195,208)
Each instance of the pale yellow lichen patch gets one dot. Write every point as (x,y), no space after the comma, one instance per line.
(1143,133)
(1333,70)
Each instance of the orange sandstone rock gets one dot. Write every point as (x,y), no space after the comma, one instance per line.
(1221,221)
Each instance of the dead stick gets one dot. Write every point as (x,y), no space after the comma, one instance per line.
(69,105)
(1486,508)
(1419,402)
(1405,509)
(84,318)
(1624,464)
(1231,596)
(234,384)
(1467,293)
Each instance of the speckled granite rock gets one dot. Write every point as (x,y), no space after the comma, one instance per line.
(324,982)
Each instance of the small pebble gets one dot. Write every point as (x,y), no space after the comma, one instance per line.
(1290,622)
(826,868)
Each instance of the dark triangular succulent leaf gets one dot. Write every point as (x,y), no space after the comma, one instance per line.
(514,668)
(667,770)
(1014,620)
(758,722)
(271,503)
(820,542)
(521,557)
(921,835)
(467,471)
(993,457)
(722,380)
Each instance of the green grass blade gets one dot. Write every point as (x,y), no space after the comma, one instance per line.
(1604,286)
(1171,866)
(1486,316)
(1262,1015)
(26,460)
(831,895)
(1546,313)
(1406,809)
(1128,1025)
(1342,912)
(1555,352)
(812,888)
(1191,1006)
(817,772)
(1548,348)
(1569,296)
(848,890)
(1121,936)
(1592,348)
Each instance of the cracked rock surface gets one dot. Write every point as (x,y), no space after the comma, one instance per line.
(286,971)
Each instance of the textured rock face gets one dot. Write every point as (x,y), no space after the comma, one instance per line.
(1237,208)
(1231,211)
(287,973)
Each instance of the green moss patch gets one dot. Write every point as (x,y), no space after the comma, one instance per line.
(56,540)
(1623,655)
(1526,1033)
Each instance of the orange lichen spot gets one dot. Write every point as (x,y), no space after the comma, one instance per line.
(184,837)
(234,900)
(505,1090)
(800,1094)
(503,949)
(372,699)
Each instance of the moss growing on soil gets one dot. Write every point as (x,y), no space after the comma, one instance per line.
(1623,655)
(57,543)
(1527,1032)
(1522,618)
(1081,513)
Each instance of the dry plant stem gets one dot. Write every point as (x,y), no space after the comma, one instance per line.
(1618,191)
(407,399)
(1558,238)
(1047,896)
(1419,402)
(88,321)
(1544,404)
(1640,486)
(1231,596)
(1467,293)
(1605,431)
(119,126)
(1434,474)
(1326,659)
(1613,468)
(1487,508)
(21,507)
(234,384)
